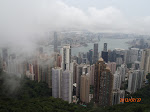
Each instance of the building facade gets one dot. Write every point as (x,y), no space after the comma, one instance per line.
(85,88)
(56,82)
(67,86)
(103,84)
(95,57)
(66,57)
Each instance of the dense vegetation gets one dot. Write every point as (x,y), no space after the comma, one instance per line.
(24,95)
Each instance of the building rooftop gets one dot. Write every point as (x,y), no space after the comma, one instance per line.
(107,67)
(101,59)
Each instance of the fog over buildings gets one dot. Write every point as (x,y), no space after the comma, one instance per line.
(23,22)
(27,38)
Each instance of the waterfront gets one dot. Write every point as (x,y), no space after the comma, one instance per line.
(111,44)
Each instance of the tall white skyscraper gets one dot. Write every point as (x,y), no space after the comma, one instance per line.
(135,80)
(116,95)
(56,82)
(117,81)
(145,61)
(66,57)
(122,71)
(132,55)
(67,86)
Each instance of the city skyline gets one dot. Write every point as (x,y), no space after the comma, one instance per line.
(90,55)
(27,21)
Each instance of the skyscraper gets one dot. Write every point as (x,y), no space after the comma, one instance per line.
(66,57)
(103,84)
(135,80)
(66,86)
(112,66)
(79,58)
(56,82)
(92,71)
(78,79)
(73,68)
(95,58)
(132,55)
(117,81)
(90,56)
(115,97)
(43,69)
(119,61)
(145,61)
(117,94)
(122,70)
(85,88)
(55,42)
(105,53)
(57,59)
(105,47)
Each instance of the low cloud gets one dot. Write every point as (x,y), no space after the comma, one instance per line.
(24,21)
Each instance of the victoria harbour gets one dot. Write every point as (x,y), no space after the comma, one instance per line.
(112,44)
(74,56)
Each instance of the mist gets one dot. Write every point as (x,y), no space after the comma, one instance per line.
(22,22)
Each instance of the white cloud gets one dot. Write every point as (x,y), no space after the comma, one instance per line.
(109,19)
(22,20)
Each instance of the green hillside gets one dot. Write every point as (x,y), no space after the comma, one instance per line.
(24,95)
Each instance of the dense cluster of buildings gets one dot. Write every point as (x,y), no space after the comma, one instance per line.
(103,77)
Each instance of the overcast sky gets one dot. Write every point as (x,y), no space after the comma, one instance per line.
(133,8)
(22,20)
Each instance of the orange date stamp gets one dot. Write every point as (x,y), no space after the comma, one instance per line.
(130,99)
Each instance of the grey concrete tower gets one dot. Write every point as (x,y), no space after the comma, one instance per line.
(55,42)
(105,47)
(95,58)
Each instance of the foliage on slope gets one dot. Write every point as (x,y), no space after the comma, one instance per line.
(32,96)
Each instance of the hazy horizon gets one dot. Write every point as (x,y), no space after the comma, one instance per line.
(23,22)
